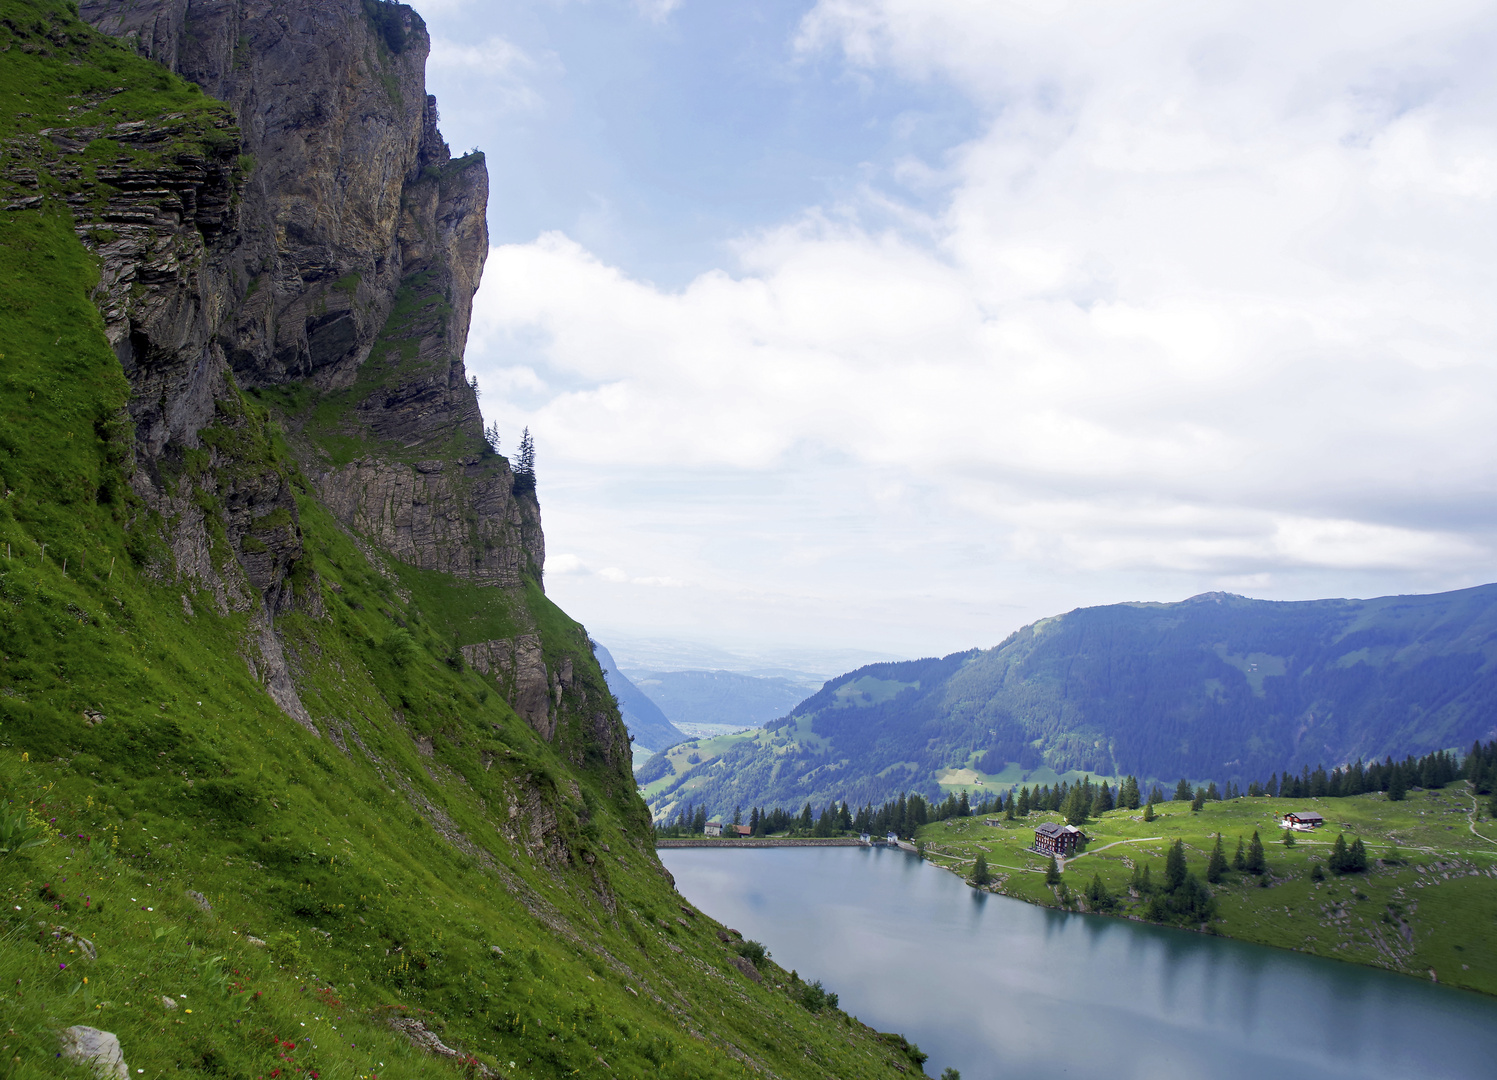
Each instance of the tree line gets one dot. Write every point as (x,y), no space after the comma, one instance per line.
(1086,799)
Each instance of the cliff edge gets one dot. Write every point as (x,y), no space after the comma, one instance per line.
(301,772)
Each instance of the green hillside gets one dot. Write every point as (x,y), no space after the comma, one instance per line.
(359,860)
(1416,909)
(1217,687)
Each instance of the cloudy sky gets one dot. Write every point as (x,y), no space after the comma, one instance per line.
(896,324)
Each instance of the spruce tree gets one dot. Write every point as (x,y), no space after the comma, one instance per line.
(1183,792)
(1103,802)
(1128,797)
(1174,867)
(1239,860)
(1356,857)
(980,874)
(524,471)
(1257,863)
(1008,807)
(1316,873)
(1199,800)
(1149,812)
(1077,806)
(1216,868)
(1052,872)
(1024,802)
(1337,861)
(1097,896)
(1397,786)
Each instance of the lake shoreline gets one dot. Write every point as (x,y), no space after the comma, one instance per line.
(892,939)
(759,842)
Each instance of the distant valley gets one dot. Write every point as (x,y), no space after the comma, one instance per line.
(663,708)
(1215,688)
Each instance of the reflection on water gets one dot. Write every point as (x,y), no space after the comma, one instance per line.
(997,987)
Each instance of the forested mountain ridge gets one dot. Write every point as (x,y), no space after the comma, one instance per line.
(1217,687)
(301,771)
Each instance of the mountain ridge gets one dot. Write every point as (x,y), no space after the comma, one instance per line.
(1216,687)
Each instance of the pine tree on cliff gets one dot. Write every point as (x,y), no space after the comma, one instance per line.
(525,466)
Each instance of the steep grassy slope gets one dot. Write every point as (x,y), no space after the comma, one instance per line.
(1216,688)
(412,849)
(1425,906)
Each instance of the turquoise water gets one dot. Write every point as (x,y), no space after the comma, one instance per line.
(1000,988)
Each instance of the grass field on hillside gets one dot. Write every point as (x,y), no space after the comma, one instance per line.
(1427,904)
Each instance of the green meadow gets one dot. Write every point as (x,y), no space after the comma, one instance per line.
(1426,906)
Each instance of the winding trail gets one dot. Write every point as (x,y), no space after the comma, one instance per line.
(1475,807)
(1115,843)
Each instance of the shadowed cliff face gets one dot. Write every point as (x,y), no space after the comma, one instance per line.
(322,252)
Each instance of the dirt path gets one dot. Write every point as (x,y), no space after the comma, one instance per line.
(959,861)
(1475,806)
(1104,847)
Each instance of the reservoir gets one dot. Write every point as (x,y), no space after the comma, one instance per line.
(996,987)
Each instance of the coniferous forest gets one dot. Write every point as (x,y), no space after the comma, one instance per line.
(1218,689)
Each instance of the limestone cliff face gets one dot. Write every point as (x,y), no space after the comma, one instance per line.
(323,237)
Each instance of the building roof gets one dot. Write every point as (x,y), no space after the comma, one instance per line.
(1304,815)
(743,830)
(1049,828)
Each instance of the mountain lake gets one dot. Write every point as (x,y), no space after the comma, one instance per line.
(996,987)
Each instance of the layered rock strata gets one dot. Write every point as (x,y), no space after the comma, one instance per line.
(323,235)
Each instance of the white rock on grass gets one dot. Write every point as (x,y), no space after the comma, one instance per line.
(200,900)
(100,1049)
(167,1003)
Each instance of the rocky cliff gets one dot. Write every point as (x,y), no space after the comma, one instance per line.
(287,723)
(324,243)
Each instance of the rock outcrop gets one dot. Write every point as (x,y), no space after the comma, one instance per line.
(519,668)
(320,234)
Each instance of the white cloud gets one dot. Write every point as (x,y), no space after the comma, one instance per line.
(1210,298)
(656,10)
(504,71)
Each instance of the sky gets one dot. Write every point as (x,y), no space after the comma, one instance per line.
(893,325)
